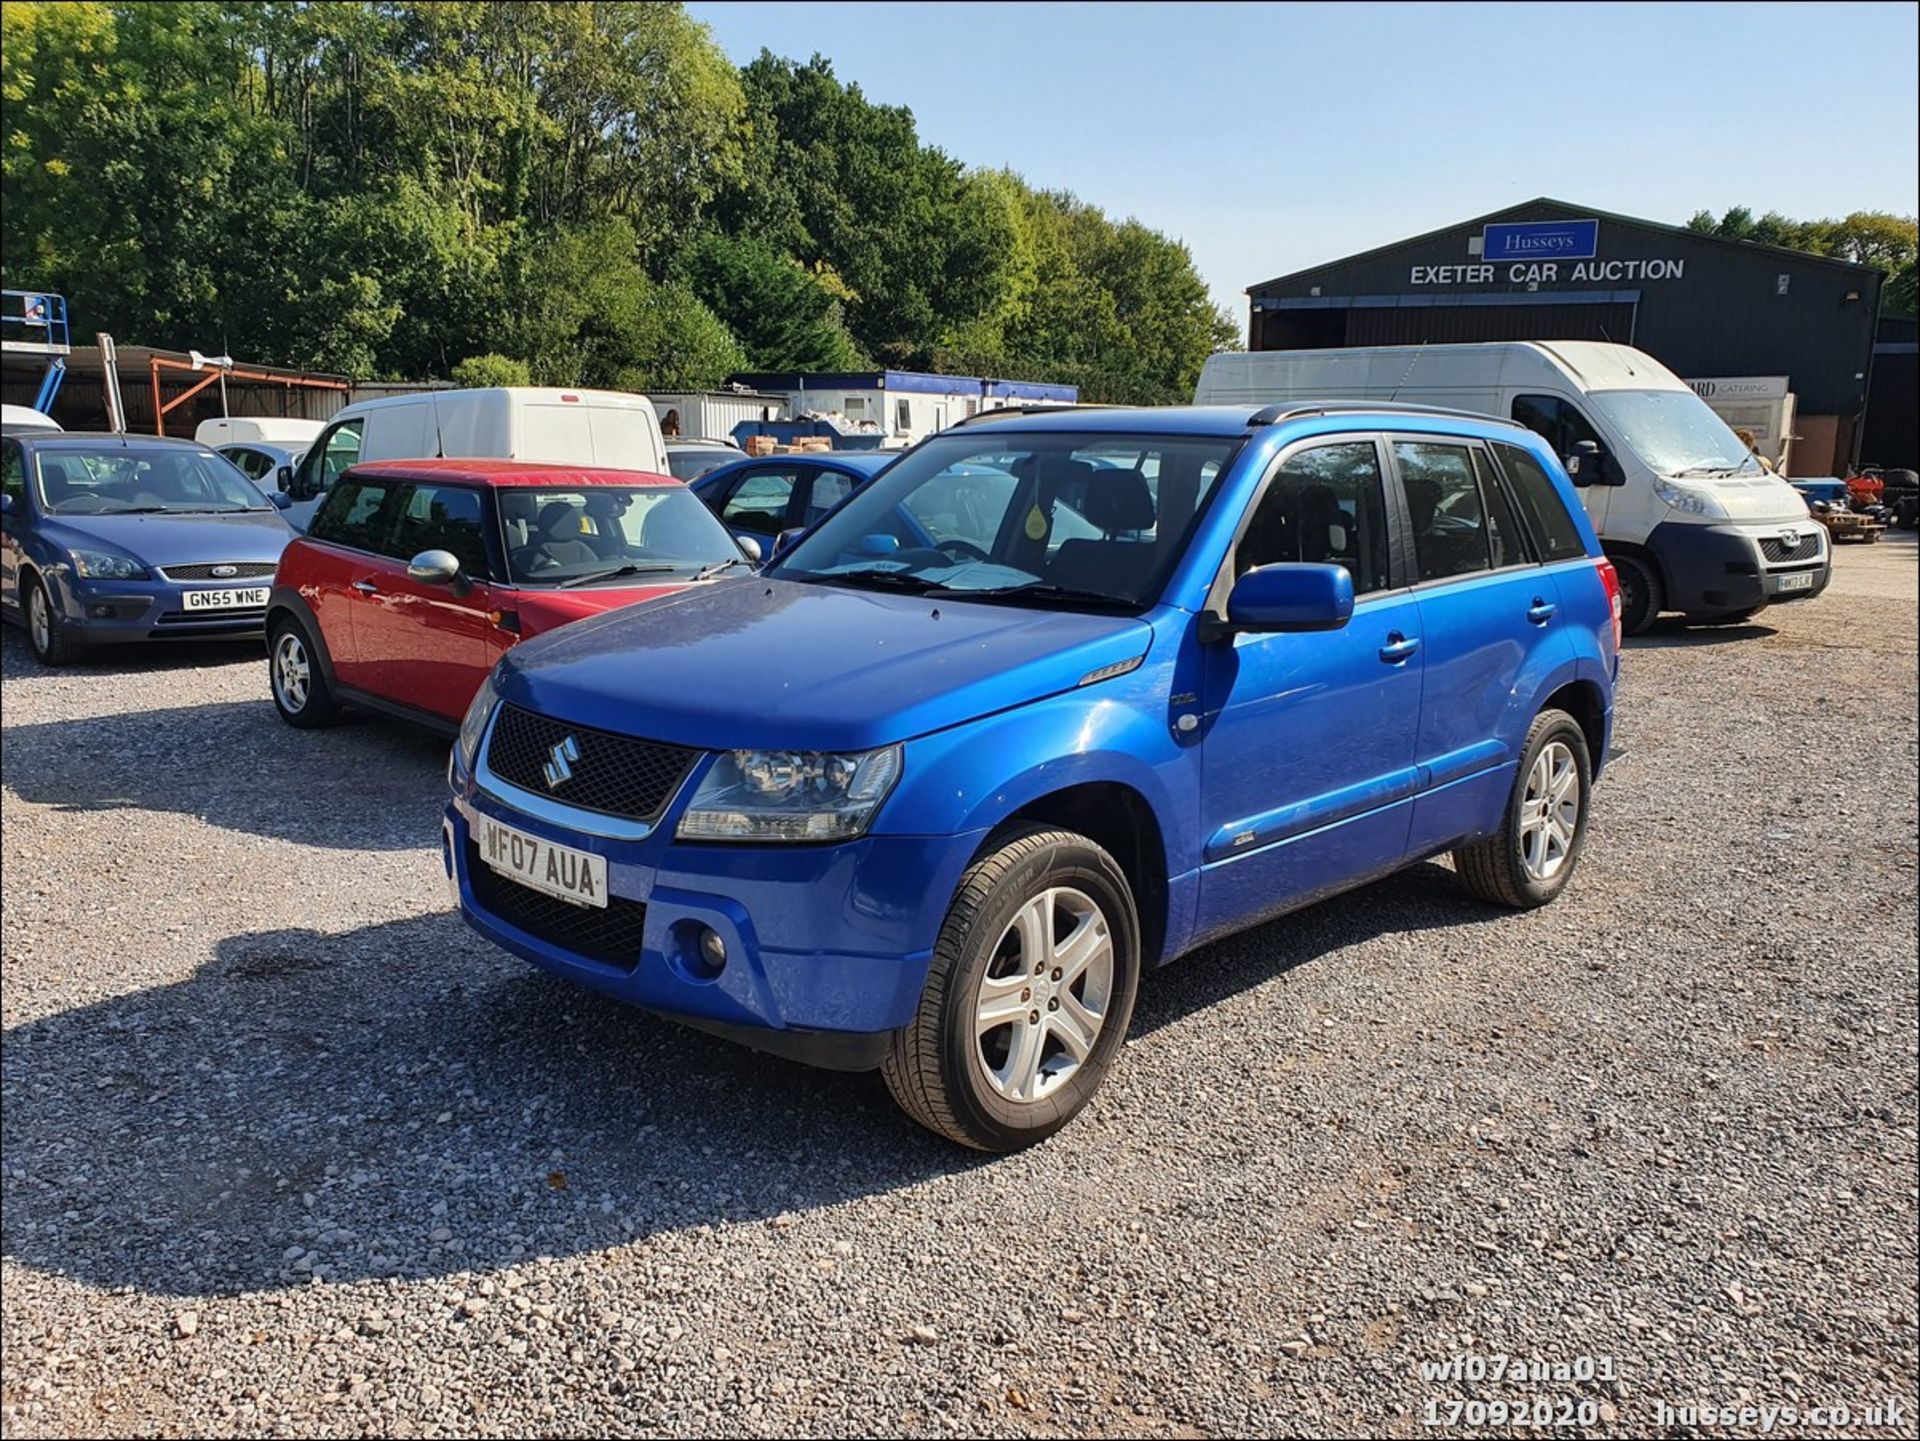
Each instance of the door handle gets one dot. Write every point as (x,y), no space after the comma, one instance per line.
(1541,611)
(366,587)
(1398,648)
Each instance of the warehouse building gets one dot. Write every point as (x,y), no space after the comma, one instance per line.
(1770,337)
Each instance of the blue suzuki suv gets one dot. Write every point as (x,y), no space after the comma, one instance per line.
(1056,698)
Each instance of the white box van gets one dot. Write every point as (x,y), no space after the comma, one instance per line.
(1690,519)
(570,427)
(286,431)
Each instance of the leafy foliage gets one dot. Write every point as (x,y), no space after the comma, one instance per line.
(588,193)
(1868,237)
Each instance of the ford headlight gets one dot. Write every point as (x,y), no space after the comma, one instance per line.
(473,725)
(105,565)
(790,795)
(1691,500)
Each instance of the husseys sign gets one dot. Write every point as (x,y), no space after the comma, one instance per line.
(1551,252)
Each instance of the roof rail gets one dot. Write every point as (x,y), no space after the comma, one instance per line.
(1294,410)
(1011,410)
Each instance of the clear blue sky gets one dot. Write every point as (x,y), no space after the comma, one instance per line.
(1272,137)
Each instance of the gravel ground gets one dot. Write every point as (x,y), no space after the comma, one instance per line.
(287,1150)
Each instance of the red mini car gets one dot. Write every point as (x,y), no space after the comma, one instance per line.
(416,575)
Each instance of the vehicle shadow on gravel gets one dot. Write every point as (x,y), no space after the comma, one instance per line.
(403,1100)
(159,657)
(1673,632)
(364,785)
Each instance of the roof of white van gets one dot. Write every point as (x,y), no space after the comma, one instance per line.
(535,394)
(25,417)
(1591,364)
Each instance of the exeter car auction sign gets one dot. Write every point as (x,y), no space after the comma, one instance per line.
(1544,252)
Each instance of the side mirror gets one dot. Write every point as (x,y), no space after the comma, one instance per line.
(1592,464)
(439,567)
(283,477)
(750,548)
(784,542)
(1291,596)
(281,500)
(6,504)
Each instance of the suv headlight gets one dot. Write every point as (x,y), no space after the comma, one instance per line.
(790,795)
(1690,499)
(105,565)
(473,724)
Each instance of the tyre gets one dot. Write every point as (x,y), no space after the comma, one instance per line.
(1641,593)
(49,640)
(1530,859)
(1028,998)
(294,676)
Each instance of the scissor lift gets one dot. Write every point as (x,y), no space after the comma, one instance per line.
(33,322)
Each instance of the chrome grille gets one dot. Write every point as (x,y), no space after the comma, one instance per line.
(241,570)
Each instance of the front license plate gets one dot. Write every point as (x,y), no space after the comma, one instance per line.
(1801,581)
(579,877)
(252,598)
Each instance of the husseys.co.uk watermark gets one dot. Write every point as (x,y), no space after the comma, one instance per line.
(1889,1414)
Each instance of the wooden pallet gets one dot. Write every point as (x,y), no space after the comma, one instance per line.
(1852,527)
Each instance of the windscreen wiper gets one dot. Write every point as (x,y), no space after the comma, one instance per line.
(708,572)
(619,570)
(1043,590)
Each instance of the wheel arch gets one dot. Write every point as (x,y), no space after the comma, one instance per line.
(1121,821)
(1587,704)
(285,601)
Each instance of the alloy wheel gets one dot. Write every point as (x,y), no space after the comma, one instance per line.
(39,620)
(1549,811)
(292,675)
(1044,996)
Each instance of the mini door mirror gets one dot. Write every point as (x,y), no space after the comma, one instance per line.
(785,541)
(438,567)
(750,548)
(1291,597)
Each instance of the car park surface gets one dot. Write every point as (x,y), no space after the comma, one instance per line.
(287,1149)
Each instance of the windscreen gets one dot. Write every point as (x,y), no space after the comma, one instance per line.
(142,480)
(1069,520)
(604,534)
(1675,432)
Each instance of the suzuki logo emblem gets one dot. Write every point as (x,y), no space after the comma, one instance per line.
(559,766)
(221,572)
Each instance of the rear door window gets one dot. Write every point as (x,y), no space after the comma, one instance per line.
(1449,521)
(1542,511)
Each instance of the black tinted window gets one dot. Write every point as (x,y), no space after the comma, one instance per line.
(1545,514)
(758,504)
(1559,421)
(441,517)
(1443,503)
(1327,504)
(13,471)
(351,514)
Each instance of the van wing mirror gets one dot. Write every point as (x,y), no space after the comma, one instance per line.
(1591,463)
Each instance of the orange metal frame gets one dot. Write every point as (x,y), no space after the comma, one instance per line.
(156,363)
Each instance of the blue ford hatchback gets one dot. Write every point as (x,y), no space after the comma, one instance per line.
(1054,699)
(128,537)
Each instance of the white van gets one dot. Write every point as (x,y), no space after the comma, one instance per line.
(1690,519)
(286,431)
(25,417)
(570,427)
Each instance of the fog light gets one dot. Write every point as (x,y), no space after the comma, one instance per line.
(713,952)
(100,612)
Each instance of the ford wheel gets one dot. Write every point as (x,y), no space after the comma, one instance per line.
(1028,997)
(50,642)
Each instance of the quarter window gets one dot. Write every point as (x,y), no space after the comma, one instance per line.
(442,517)
(1443,502)
(1325,505)
(830,487)
(1555,536)
(350,515)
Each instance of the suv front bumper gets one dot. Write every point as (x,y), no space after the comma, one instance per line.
(827,946)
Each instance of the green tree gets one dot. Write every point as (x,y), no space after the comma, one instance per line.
(479,372)
(1867,237)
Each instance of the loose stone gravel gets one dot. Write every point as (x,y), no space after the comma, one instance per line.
(289,1151)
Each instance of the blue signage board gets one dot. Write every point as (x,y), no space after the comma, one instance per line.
(1541,240)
